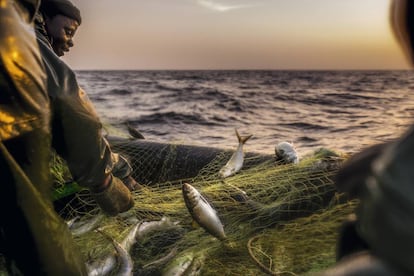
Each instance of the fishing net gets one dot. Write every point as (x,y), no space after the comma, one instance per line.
(278,218)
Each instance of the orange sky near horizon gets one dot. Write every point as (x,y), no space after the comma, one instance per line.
(235,34)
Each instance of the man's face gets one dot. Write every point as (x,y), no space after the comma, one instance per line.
(61,30)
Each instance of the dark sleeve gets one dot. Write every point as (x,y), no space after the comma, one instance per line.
(386,211)
(76,127)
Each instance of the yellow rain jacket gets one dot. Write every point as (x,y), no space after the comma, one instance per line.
(33,239)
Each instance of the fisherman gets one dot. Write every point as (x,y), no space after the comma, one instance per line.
(380,239)
(56,25)
(58,21)
(33,239)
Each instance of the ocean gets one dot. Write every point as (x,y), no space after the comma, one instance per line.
(340,110)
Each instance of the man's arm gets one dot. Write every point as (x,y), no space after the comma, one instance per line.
(78,139)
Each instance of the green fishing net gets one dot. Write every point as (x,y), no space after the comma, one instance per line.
(278,218)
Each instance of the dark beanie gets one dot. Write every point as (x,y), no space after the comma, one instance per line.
(63,7)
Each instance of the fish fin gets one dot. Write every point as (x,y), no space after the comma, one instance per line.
(245,138)
(242,139)
(238,135)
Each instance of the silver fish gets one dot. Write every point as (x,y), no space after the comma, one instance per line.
(72,221)
(126,263)
(236,161)
(139,230)
(286,153)
(104,267)
(157,266)
(202,212)
(185,265)
(101,268)
(80,228)
(157,225)
(162,260)
(131,237)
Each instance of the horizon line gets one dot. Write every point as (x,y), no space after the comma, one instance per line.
(302,69)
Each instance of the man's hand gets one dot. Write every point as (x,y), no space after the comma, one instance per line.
(115,198)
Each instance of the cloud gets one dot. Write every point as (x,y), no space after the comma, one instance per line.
(213,5)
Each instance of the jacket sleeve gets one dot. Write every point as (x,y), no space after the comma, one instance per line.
(76,128)
(23,98)
(387,204)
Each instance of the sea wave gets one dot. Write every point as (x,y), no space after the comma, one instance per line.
(337,109)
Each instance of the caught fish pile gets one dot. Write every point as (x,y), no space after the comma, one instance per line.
(126,263)
(176,253)
(122,259)
(107,265)
(198,206)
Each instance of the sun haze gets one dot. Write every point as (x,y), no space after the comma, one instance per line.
(235,34)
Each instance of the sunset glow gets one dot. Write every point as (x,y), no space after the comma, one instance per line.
(242,34)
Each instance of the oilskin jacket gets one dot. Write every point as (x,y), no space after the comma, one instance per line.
(381,177)
(76,127)
(22,71)
(386,212)
(33,239)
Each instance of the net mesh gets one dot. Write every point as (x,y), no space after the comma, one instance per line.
(278,218)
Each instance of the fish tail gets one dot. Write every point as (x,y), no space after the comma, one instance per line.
(242,139)
(125,259)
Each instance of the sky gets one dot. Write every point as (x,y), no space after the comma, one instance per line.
(235,34)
